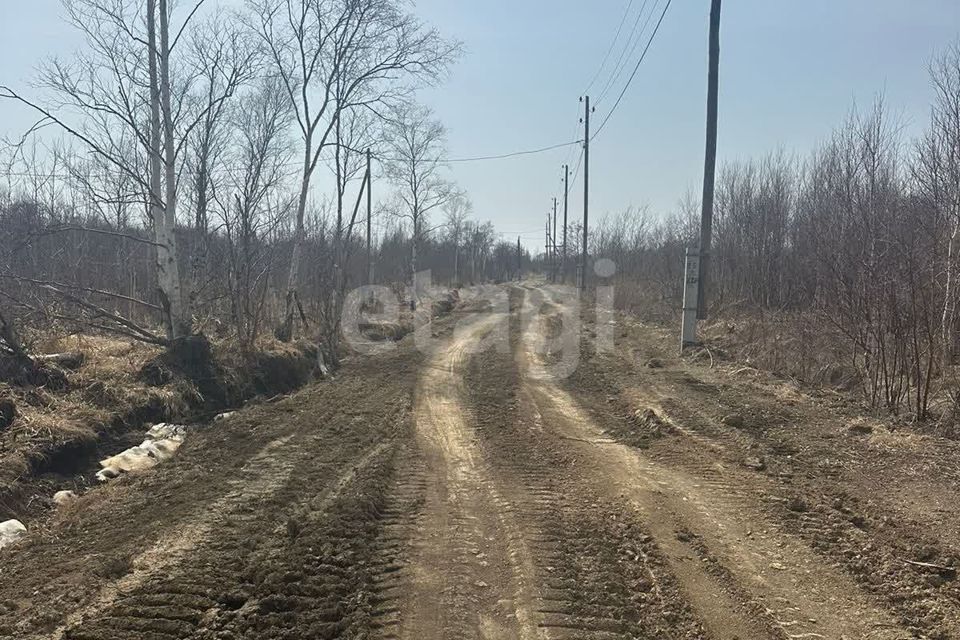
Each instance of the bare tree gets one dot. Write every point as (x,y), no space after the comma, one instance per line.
(222,61)
(417,145)
(256,204)
(335,55)
(937,171)
(356,130)
(457,210)
(122,94)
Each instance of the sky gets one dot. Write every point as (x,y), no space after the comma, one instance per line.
(790,71)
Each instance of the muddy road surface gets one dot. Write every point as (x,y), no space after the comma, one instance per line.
(512,472)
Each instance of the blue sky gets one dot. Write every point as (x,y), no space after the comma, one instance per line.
(790,71)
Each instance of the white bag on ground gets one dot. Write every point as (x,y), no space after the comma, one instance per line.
(10,532)
(161,444)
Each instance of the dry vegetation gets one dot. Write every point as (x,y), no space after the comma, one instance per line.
(57,435)
(837,269)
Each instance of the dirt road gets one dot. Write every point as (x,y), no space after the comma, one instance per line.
(489,485)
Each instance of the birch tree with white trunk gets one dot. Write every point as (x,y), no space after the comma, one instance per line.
(937,171)
(128,83)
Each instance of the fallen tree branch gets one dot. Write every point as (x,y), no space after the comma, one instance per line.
(137,332)
(107,328)
(106,232)
(62,285)
(939,568)
(67,359)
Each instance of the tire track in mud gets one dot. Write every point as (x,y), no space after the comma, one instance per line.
(799,491)
(599,572)
(813,503)
(296,581)
(745,576)
(286,552)
(469,572)
(259,478)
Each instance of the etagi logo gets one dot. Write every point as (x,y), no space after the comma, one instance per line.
(553,325)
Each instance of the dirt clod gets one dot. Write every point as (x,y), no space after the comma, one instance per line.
(8,413)
(734,420)
(116,567)
(649,420)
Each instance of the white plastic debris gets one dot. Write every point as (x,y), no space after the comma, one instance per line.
(162,449)
(161,444)
(164,430)
(61,498)
(107,473)
(133,459)
(10,532)
(223,416)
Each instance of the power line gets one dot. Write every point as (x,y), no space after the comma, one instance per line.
(613,43)
(516,153)
(55,174)
(625,52)
(576,172)
(635,69)
(570,150)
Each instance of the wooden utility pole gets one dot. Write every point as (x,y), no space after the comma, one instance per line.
(710,160)
(369,217)
(566,193)
(586,193)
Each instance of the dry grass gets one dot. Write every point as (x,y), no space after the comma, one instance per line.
(103,390)
(59,434)
(799,346)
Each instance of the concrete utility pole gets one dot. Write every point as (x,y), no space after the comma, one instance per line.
(369,217)
(566,193)
(555,254)
(710,161)
(546,242)
(691,280)
(586,193)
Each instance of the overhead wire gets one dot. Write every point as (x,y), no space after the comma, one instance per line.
(515,153)
(627,49)
(635,69)
(613,43)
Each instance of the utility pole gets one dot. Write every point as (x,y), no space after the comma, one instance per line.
(546,246)
(710,160)
(566,193)
(555,255)
(586,193)
(519,261)
(369,216)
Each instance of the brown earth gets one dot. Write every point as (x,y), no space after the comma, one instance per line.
(491,485)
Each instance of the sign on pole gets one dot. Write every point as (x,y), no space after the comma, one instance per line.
(691,287)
